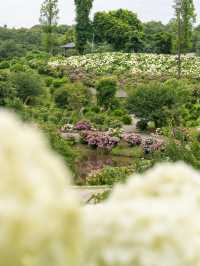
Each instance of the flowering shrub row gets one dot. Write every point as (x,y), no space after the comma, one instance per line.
(82,125)
(148,144)
(100,139)
(133,139)
(149,64)
(109,176)
(110,138)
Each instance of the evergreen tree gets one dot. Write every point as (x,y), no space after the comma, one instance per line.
(48,18)
(185,16)
(185,12)
(188,17)
(83,25)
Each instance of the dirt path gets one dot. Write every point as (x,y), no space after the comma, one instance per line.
(87,193)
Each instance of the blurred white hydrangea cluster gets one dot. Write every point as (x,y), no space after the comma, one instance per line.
(153,220)
(40,221)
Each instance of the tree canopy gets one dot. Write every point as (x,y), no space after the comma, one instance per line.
(120,28)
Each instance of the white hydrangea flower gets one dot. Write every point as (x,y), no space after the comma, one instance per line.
(150,64)
(40,221)
(153,220)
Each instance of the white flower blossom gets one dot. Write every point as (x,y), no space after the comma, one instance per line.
(153,220)
(40,221)
(149,64)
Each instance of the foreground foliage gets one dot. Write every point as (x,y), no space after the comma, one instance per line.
(43,222)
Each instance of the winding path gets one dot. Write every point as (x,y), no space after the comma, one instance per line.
(87,193)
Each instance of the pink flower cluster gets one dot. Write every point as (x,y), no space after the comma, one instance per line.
(82,125)
(132,138)
(100,139)
(158,145)
(150,145)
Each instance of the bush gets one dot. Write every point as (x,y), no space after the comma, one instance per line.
(109,176)
(6,92)
(28,85)
(59,145)
(83,125)
(118,112)
(127,120)
(106,90)
(132,138)
(17,67)
(57,83)
(74,96)
(159,102)
(48,81)
(4,65)
(61,97)
(142,124)
(99,139)
(9,49)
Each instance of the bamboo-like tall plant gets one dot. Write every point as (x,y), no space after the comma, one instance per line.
(48,19)
(185,16)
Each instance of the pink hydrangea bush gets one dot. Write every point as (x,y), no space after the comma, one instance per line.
(100,139)
(132,138)
(151,145)
(82,125)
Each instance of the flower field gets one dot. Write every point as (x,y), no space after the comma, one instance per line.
(149,64)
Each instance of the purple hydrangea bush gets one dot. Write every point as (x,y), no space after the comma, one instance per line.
(132,138)
(82,125)
(99,139)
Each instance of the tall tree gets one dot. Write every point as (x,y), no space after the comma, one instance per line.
(48,18)
(83,25)
(185,15)
(188,18)
(121,28)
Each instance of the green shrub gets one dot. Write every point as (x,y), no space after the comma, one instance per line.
(127,120)
(109,176)
(106,90)
(18,67)
(188,153)
(49,81)
(57,83)
(59,145)
(61,97)
(142,124)
(118,112)
(27,85)
(143,165)
(95,109)
(113,122)
(4,65)
(159,102)
(6,92)
(97,119)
